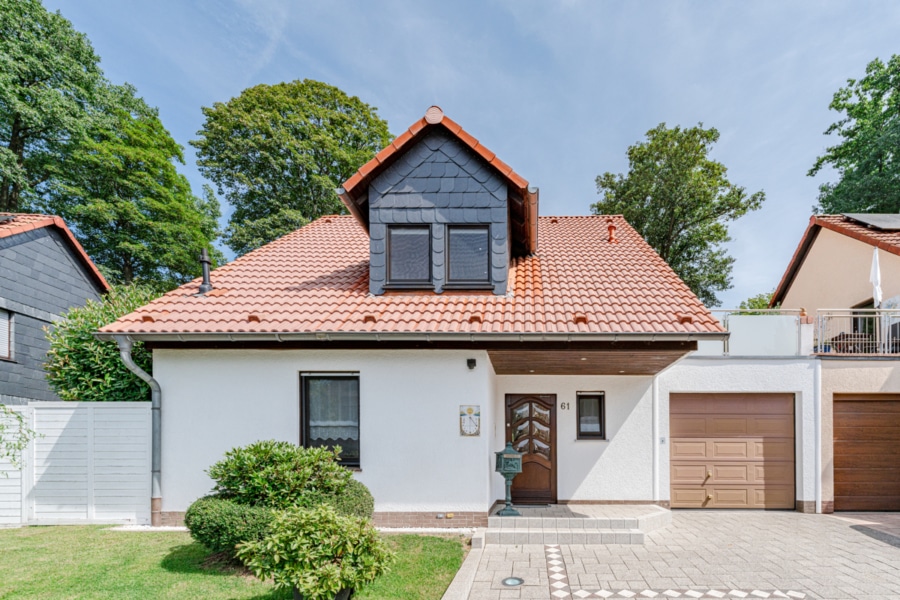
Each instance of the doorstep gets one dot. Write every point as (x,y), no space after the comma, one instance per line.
(577,524)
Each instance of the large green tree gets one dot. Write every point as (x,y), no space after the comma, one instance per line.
(278,152)
(868,157)
(680,200)
(132,210)
(49,78)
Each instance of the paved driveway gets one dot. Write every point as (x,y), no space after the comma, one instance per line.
(710,554)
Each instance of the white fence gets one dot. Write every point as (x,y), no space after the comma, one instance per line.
(89,464)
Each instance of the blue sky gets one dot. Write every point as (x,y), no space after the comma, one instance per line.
(558,89)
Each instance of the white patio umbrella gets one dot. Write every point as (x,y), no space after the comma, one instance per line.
(875,280)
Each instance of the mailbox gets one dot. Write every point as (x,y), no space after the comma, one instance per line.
(509,464)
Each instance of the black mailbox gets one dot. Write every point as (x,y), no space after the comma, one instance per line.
(509,464)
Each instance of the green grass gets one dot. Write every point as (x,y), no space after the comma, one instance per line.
(93,562)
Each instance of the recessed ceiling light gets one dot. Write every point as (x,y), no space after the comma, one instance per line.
(621,371)
(583,358)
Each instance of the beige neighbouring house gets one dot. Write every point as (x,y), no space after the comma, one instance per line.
(859,347)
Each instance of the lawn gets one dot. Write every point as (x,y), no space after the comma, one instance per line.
(94,562)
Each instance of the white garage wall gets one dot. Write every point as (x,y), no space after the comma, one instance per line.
(412,456)
(751,375)
(619,468)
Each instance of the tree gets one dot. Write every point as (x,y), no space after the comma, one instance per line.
(49,76)
(758,302)
(120,191)
(278,152)
(82,368)
(868,157)
(679,200)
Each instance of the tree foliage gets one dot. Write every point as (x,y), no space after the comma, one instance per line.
(758,302)
(868,157)
(49,79)
(680,200)
(121,192)
(82,368)
(15,435)
(278,152)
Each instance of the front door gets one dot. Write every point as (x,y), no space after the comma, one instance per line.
(531,427)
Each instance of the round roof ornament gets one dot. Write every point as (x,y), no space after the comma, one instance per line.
(434,115)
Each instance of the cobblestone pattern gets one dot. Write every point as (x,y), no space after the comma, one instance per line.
(820,556)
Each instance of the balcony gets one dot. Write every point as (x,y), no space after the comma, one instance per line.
(858,332)
(762,333)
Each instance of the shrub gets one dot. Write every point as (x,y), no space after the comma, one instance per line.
(317,552)
(221,524)
(355,501)
(279,475)
(82,368)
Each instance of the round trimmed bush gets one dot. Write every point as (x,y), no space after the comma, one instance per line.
(279,474)
(221,524)
(355,501)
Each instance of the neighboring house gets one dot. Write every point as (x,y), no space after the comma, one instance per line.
(44,271)
(858,350)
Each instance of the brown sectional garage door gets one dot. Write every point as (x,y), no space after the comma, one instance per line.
(866,452)
(732,450)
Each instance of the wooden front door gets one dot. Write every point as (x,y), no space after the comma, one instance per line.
(531,427)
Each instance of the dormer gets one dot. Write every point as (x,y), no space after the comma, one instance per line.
(442,211)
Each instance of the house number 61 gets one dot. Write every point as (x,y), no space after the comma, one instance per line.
(564,405)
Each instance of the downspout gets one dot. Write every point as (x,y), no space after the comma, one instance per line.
(817,418)
(655,401)
(125,345)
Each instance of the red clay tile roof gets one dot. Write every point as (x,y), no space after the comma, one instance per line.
(889,241)
(523,199)
(316,281)
(22,222)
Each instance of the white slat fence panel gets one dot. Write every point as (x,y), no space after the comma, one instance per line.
(12,480)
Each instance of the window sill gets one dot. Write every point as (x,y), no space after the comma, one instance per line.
(591,439)
(7,359)
(409,286)
(469,286)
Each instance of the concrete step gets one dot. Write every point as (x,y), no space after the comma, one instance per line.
(557,535)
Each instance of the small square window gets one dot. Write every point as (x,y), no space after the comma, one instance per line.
(591,415)
(5,335)
(329,414)
(468,255)
(409,255)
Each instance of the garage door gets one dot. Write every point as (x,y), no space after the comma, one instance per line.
(732,450)
(866,453)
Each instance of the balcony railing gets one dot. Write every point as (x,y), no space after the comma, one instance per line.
(858,331)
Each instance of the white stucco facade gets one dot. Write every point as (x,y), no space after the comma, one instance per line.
(412,455)
(748,375)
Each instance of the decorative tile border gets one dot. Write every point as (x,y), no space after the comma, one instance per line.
(556,573)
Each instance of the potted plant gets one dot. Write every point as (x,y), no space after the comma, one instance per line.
(318,553)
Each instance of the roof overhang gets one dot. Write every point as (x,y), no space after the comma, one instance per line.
(510,354)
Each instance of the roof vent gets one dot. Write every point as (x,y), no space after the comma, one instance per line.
(147,318)
(580,319)
(554,220)
(434,115)
(369,319)
(611,227)
(205,262)
(475,319)
(684,319)
(253,318)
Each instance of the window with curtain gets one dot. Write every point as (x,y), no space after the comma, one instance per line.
(330,414)
(468,255)
(409,255)
(591,417)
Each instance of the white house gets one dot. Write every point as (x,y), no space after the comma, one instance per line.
(442,318)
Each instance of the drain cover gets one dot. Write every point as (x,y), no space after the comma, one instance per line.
(513,581)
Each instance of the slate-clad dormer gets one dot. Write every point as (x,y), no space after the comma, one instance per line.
(442,212)
(443,200)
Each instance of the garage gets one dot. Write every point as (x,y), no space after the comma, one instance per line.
(866,452)
(732,450)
